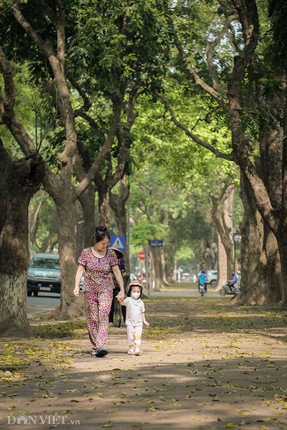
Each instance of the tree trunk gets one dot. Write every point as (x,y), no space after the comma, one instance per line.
(222,265)
(170,261)
(282,241)
(282,230)
(222,215)
(13,314)
(163,268)
(260,279)
(87,200)
(59,187)
(118,205)
(18,182)
(156,269)
(104,207)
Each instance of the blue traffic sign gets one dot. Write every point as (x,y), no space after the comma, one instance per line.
(118,242)
(156,242)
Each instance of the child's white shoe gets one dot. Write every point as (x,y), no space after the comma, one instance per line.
(138,351)
(131,351)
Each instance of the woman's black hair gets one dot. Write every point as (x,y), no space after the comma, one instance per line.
(100,233)
(131,287)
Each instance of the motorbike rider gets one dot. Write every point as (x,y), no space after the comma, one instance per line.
(232,282)
(202,279)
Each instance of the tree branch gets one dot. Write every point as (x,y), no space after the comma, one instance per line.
(192,136)
(102,154)
(87,104)
(209,56)
(44,47)
(56,64)
(219,97)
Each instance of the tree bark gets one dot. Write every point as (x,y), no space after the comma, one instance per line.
(64,197)
(222,211)
(163,268)
(282,229)
(104,202)
(222,264)
(118,205)
(260,280)
(87,201)
(156,268)
(19,181)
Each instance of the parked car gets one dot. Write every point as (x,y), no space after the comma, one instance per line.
(212,277)
(44,274)
(186,277)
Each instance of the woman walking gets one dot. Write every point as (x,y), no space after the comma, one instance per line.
(99,264)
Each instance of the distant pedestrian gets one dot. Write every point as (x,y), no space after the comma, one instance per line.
(135,317)
(99,264)
(202,279)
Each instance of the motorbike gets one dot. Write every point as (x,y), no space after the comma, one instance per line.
(201,289)
(229,288)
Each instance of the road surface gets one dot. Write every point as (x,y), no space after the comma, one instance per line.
(44,302)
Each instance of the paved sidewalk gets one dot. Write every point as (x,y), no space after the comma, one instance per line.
(204,376)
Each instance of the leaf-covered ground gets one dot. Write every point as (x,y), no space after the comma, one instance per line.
(206,364)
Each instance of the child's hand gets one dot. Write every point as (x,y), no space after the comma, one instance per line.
(120,299)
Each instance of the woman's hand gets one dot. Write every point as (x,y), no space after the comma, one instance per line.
(76,291)
(121,296)
(79,274)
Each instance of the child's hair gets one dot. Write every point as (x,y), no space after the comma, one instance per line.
(134,284)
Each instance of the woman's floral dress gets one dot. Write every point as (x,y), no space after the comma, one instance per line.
(98,293)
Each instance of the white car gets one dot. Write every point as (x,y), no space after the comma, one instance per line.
(212,277)
(44,274)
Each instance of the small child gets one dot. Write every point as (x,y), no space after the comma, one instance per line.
(135,317)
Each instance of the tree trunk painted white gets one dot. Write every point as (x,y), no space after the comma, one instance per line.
(13,316)
(19,181)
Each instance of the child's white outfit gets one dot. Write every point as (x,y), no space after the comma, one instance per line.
(134,323)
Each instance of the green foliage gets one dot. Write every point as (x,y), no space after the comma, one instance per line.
(162,210)
(110,45)
(119,41)
(188,163)
(25,100)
